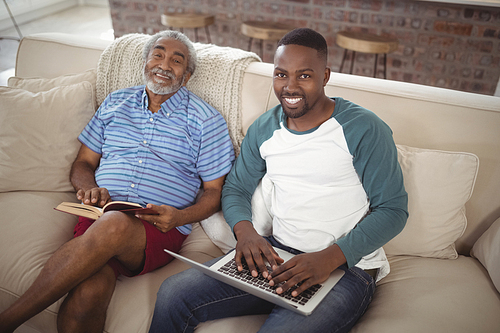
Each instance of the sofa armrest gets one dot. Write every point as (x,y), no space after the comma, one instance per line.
(487,251)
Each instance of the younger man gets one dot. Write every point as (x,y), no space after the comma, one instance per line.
(337,198)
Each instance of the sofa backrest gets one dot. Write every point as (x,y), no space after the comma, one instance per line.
(51,55)
(420,116)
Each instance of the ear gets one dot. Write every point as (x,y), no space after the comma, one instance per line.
(188,76)
(327,76)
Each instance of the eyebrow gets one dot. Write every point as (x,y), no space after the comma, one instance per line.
(297,71)
(180,54)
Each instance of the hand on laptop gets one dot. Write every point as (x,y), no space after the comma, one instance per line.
(308,268)
(254,249)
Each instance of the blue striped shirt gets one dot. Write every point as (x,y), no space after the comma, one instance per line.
(159,158)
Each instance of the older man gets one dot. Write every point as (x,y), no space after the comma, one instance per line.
(156,144)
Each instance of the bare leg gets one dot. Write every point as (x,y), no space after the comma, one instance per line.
(84,309)
(113,235)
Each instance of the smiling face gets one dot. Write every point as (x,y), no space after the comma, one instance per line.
(299,79)
(165,69)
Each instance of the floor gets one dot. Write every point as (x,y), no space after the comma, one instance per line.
(81,20)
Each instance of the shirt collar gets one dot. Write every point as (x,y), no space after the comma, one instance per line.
(170,105)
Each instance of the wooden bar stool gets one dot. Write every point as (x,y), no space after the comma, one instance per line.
(366,43)
(264,31)
(195,21)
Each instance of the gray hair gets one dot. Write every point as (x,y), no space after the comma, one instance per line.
(192,58)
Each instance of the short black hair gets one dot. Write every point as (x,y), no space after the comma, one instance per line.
(306,37)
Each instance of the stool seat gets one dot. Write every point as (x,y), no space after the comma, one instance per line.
(187,20)
(366,42)
(264,30)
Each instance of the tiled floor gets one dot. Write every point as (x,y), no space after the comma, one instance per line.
(80,20)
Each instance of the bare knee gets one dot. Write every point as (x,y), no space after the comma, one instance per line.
(115,229)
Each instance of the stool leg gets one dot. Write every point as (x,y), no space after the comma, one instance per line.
(196,34)
(342,62)
(385,65)
(376,62)
(250,44)
(261,48)
(208,35)
(352,61)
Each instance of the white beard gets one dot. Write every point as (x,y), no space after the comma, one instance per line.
(157,86)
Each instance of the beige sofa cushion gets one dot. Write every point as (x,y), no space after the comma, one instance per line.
(430,295)
(487,251)
(439,183)
(31,230)
(38,135)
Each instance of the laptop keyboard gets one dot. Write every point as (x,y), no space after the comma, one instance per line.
(231,269)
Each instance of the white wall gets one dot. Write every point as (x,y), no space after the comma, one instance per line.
(28,10)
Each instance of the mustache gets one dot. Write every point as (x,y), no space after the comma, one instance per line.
(166,73)
(284,95)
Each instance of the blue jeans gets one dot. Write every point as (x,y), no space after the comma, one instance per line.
(190,297)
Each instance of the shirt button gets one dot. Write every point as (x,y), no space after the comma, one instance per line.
(132,185)
(144,142)
(168,114)
(151,119)
(140,161)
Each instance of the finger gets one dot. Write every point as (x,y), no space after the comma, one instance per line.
(87,197)
(306,284)
(249,258)
(95,195)
(237,258)
(289,283)
(80,195)
(282,273)
(153,219)
(272,257)
(260,263)
(104,195)
(156,208)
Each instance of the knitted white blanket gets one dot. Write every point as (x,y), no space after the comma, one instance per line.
(218,77)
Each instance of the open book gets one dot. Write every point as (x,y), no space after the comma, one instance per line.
(93,212)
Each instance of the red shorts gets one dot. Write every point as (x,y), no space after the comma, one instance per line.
(156,241)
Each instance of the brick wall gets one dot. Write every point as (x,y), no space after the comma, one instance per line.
(444,45)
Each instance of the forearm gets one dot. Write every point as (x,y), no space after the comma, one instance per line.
(207,205)
(373,232)
(82,176)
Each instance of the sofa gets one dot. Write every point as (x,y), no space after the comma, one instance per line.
(445,267)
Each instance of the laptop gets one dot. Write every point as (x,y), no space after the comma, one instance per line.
(225,271)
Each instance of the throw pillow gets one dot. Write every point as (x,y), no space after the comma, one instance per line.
(438,183)
(487,251)
(38,84)
(38,135)
(221,234)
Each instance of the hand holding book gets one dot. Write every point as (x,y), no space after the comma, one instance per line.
(166,219)
(93,212)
